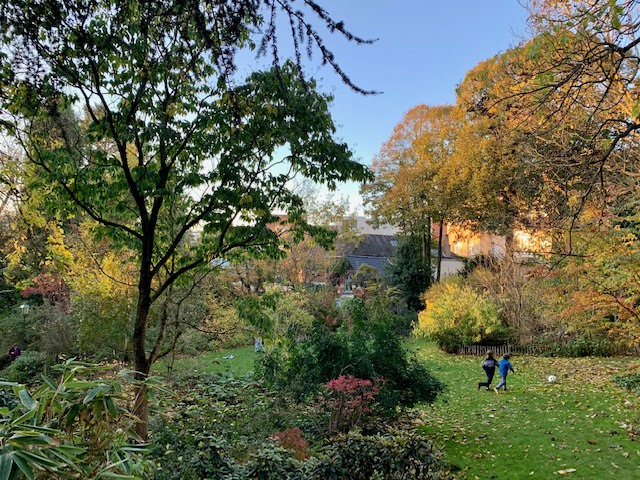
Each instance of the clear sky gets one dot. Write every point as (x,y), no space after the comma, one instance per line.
(424,50)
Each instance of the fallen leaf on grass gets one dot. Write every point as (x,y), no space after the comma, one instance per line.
(566,471)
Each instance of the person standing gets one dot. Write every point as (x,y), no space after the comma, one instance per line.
(505,367)
(489,365)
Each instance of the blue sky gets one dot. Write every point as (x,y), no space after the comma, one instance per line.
(423,51)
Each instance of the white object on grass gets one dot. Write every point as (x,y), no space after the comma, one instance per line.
(552,378)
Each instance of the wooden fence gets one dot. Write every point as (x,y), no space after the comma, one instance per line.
(537,349)
(499,350)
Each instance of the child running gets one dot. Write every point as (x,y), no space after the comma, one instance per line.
(504,367)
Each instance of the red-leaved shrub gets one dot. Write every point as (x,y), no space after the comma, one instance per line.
(291,439)
(349,400)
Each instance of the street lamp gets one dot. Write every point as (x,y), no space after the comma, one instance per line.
(24,308)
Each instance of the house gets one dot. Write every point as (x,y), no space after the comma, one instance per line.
(466,243)
(370,249)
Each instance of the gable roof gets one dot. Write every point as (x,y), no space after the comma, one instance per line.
(373,250)
(378,246)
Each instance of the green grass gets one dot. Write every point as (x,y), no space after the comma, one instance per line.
(214,362)
(537,429)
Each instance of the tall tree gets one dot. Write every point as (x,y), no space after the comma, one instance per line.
(572,97)
(408,191)
(172,145)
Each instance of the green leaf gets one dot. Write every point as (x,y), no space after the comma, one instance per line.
(6,466)
(30,439)
(111,407)
(26,399)
(91,395)
(73,413)
(24,467)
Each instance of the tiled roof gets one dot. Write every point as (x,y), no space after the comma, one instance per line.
(379,263)
(381,246)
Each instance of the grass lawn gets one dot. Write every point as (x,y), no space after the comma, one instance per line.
(233,361)
(576,428)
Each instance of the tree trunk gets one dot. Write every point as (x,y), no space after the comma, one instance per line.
(426,249)
(439,260)
(142,365)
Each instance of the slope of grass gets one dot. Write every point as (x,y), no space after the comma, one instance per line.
(233,361)
(579,427)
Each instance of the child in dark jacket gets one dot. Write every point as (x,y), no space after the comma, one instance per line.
(489,365)
(505,366)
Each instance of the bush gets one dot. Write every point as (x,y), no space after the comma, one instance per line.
(70,428)
(217,426)
(349,400)
(579,346)
(455,314)
(366,347)
(630,381)
(358,457)
(27,369)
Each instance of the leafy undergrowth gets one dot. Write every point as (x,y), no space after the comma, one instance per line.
(583,426)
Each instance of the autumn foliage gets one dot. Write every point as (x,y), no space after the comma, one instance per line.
(349,400)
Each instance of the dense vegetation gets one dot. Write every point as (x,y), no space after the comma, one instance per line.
(139,185)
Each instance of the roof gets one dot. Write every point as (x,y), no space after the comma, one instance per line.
(378,263)
(373,250)
(379,246)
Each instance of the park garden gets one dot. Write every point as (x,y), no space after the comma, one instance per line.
(178,288)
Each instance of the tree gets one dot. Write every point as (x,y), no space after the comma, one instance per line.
(408,192)
(570,96)
(407,275)
(171,143)
(456,314)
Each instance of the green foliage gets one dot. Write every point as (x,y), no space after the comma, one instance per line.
(176,123)
(13,328)
(456,314)
(630,381)
(366,276)
(408,274)
(583,346)
(219,424)
(235,429)
(365,347)
(392,457)
(279,319)
(27,368)
(7,399)
(73,427)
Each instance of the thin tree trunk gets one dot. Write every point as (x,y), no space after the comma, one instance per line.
(142,365)
(439,260)
(427,253)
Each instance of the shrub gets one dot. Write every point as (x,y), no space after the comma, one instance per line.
(291,439)
(366,348)
(358,457)
(72,427)
(630,381)
(27,368)
(456,314)
(218,425)
(349,400)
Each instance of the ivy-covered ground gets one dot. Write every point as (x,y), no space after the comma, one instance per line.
(584,426)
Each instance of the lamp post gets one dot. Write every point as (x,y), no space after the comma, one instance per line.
(24,308)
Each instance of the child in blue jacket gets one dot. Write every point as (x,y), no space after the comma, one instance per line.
(504,367)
